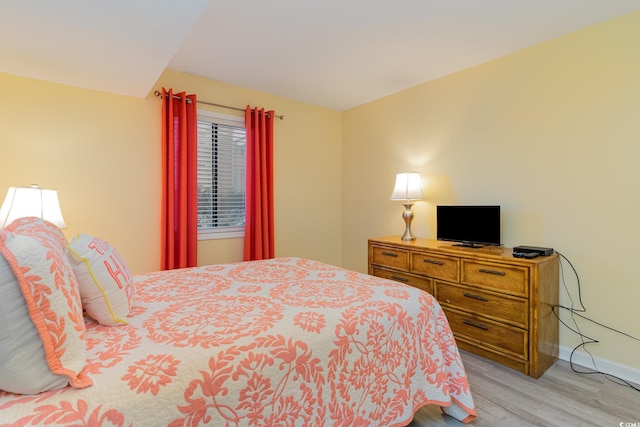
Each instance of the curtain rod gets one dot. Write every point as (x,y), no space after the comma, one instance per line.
(157,93)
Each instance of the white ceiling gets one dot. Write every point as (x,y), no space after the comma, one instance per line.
(119,46)
(332,53)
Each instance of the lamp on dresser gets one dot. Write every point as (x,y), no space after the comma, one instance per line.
(408,188)
(31,201)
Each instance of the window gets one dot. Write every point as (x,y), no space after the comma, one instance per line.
(221,176)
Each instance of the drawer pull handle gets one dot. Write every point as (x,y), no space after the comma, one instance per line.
(390,254)
(475,325)
(430,261)
(400,279)
(468,295)
(497,273)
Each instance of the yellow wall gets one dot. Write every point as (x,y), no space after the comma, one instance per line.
(98,150)
(102,153)
(551,133)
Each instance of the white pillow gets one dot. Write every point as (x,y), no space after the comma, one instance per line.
(106,285)
(42,333)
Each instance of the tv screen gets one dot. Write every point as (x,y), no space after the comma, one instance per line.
(472,226)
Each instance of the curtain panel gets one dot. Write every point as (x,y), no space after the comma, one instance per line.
(259,228)
(179,233)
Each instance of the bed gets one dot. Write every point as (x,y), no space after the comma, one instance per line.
(286,341)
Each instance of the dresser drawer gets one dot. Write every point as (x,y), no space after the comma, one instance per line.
(423,283)
(394,258)
(505,338)
(436,266)
(507,309)
(505,278)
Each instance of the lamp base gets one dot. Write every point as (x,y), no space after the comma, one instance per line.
(407,215)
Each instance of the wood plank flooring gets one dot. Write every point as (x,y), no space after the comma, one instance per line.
(560,398)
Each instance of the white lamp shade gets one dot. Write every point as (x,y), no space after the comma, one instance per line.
(22,202)
(408,187)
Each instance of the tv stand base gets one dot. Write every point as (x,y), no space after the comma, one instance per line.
(469,245)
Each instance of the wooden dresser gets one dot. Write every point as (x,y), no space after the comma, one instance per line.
(498,306)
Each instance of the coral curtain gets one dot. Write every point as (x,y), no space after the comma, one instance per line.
(179,180)
(259,230)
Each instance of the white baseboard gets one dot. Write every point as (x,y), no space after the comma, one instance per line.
(607,366)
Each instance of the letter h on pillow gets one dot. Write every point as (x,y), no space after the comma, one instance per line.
(106,285)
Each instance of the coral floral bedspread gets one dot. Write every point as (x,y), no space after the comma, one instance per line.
(265,343)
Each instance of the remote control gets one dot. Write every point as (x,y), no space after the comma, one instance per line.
(527,255)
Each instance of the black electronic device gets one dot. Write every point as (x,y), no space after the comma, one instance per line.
(470,226)
(527,255)
(533,249)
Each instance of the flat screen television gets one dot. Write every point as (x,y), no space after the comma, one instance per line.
(471,226)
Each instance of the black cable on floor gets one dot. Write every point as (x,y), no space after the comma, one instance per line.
(585,339)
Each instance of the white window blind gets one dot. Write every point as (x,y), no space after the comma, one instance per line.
(221,176)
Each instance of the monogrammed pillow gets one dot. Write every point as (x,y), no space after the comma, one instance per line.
(106,285)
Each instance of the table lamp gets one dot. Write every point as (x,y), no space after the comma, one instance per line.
(22,202)
(408,187)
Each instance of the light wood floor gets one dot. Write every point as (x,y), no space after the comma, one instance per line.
(561,397)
